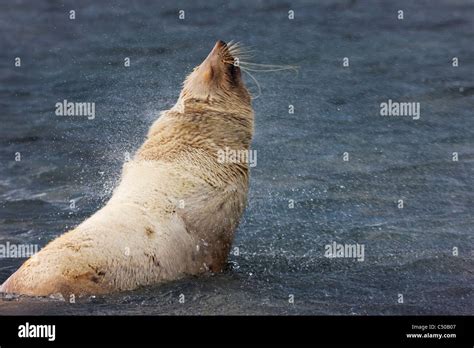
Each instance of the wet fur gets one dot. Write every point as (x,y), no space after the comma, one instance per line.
(144,234)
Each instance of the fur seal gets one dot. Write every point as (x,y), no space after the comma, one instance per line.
(176,207)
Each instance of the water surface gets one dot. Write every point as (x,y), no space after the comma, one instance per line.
(300,156)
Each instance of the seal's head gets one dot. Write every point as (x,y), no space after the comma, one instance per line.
(217,82)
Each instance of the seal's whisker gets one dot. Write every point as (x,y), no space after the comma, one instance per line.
(267,67)
(256,82)
(268,70)
(242,55)
(235,49)
(240,51)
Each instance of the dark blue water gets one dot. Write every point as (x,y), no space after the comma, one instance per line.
(408,251)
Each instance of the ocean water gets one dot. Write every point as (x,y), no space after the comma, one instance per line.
(303,195)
